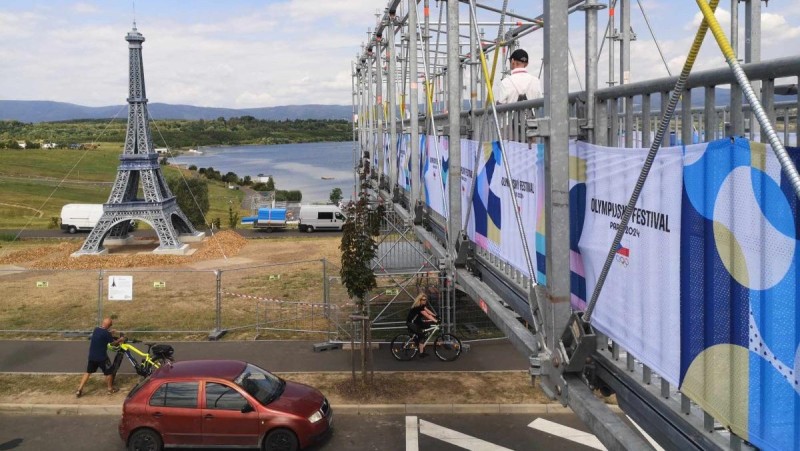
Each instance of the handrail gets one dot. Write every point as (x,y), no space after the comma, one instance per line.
(776,68)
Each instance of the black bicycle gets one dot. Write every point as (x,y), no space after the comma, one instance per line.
(446,346)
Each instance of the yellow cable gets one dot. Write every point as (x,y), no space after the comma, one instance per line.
(497,51)
(489,92)
(429,96)
(700,36)
(716,30)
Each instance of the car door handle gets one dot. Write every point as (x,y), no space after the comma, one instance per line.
(208,416)
(157,414)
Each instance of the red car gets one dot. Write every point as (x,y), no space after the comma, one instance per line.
(222,403)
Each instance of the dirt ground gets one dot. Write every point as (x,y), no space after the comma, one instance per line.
(52,290)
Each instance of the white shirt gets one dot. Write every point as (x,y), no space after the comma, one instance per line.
(519,82)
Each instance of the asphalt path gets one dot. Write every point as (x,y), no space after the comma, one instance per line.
(350,432)
(246,232)
(62,356)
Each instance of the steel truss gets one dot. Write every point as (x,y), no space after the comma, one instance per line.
(139,167)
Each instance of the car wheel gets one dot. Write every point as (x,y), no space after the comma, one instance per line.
(281,440)
(310,229)
(72,230)
(145,440)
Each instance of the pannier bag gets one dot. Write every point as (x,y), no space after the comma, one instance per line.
(163,351)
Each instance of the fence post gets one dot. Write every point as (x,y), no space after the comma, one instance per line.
(326,299)
(325,290)
(99,298)
(217,333)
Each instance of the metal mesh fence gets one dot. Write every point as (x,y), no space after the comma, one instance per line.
(296,300)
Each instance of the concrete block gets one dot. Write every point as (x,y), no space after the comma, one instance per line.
(476,408)
(535,409)
(558,408)
(326,346)
(417,409)
(15,408)
(382,409)
(345,409)
(113,410)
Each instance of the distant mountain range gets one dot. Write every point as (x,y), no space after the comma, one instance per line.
(47,111)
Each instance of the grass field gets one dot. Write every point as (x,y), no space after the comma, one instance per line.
(35,184)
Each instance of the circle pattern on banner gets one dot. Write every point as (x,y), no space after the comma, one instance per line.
(751,244)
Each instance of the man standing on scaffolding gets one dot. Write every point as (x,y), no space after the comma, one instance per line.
(520,85)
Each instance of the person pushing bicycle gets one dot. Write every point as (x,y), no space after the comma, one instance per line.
(98,358)
(418,316)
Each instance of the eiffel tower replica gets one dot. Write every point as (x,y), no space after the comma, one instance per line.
(139,164)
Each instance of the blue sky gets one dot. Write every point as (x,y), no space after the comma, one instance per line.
(248,53)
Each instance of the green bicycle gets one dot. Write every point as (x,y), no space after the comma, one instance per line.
(156,356)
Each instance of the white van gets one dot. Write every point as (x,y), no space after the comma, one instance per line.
(321,217)
(76,217)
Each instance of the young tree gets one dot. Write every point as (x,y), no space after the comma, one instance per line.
(192,196)
(233,217)
(358,250)
(336,195)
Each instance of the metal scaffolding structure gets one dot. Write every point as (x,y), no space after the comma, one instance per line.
(451,59)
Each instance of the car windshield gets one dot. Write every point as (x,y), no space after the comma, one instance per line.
(260,384)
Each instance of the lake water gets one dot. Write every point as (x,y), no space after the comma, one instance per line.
(293,166)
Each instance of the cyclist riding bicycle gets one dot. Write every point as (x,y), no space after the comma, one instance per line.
(418,317)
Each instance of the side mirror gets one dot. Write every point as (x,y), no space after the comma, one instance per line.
(247,408)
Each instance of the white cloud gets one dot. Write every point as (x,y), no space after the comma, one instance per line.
(84,8)
(279,53)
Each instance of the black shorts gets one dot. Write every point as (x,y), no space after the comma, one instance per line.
(105,366)
(416,329)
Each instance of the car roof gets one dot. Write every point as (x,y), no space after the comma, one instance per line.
(223,369)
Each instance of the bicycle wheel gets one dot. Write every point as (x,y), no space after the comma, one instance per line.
(447,347)
(403,347)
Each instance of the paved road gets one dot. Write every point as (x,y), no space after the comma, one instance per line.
(351,432)
(17,356)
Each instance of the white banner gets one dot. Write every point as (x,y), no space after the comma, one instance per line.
(639,306)
(386,143)
(403,167)
(494,224)
(469,153)
(435,169)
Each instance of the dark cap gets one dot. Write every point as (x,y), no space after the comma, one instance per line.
(519,55)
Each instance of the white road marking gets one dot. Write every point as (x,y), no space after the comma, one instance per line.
(455,438)
(412,434)
(646,436)
(566,432)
